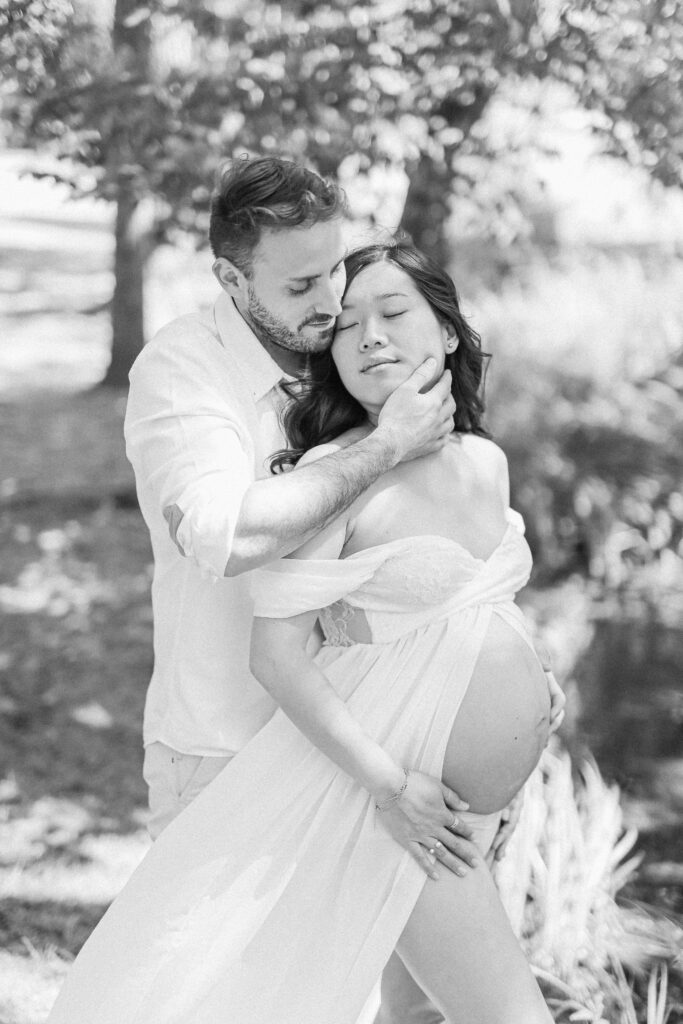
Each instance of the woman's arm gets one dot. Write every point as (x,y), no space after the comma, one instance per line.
(279,660)
(425,816)
(280,663)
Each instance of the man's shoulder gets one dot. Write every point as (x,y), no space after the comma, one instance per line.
(184,361)
(188,349)
(193,335)
(186,326)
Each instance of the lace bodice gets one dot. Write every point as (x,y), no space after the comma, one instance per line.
(399,586)
(427,573)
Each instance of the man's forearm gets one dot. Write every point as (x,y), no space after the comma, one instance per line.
(281,513)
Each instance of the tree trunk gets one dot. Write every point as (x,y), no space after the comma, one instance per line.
(428,207)
(428,203)
(131,40)
(127,310)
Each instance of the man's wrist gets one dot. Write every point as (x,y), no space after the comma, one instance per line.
(384,436)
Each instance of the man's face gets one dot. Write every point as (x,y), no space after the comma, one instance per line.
(295,287)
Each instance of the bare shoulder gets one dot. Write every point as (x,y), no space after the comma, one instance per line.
(487,451)
(493,461)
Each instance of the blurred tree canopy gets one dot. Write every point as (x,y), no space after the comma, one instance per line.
(149,96)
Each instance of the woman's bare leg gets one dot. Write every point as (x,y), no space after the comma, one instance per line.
(403,1002)
(461,950)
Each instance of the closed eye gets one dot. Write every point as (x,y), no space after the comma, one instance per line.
(344,327)
(301,291)
(306,287)
(391,316)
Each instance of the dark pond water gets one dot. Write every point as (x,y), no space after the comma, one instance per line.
(630,683)
(630,717)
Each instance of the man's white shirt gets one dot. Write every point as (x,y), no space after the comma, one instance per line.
(202,420)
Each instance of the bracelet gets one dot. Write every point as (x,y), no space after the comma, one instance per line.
(396,796)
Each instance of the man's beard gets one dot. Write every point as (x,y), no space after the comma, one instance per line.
(269,328)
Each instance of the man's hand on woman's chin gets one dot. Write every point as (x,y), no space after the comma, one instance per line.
(417,423)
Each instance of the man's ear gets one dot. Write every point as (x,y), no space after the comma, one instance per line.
(231,279)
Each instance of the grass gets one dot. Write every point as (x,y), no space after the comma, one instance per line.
(75,658)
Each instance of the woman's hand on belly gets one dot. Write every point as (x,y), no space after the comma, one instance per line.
(555,692)
(509,819)
(425,822)
(557,701)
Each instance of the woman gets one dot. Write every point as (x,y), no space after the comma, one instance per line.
(280,893)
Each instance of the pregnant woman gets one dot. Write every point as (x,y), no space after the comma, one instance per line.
(280,893)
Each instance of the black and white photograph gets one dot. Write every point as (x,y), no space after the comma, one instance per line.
(341,512)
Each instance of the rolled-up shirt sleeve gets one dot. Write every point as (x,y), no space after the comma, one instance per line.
(189,447)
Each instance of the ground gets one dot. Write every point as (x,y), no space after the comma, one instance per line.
(75,656)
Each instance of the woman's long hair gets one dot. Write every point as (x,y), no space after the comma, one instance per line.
(320,409)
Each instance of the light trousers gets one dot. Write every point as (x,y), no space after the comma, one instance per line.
(174,780)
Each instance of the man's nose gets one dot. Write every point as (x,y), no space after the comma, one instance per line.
(329,300)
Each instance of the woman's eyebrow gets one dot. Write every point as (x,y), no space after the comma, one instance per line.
(384,295)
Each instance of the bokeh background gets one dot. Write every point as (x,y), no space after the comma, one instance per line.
(536,148)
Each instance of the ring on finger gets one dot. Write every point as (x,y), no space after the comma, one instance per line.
(438,847)
(431,851)
(454,822)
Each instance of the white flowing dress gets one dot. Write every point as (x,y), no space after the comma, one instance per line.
(277,896)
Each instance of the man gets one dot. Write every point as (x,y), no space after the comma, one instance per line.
(201,421)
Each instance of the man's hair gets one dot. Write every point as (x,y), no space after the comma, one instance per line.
(266,192)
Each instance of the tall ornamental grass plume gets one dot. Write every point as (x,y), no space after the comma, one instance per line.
(568,858)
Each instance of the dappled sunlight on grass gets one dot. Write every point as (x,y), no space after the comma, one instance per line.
(30,983)
(63,445)
(75,660)
(61,864)
(75,647)
(56,834)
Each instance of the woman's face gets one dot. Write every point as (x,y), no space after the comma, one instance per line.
(385,331)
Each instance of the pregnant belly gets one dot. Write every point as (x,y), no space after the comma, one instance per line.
(502,725)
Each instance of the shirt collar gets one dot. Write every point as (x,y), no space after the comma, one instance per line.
(236,336)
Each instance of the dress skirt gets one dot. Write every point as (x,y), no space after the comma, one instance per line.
(277,896)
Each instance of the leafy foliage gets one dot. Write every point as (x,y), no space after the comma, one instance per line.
(382,81)
(566,863)
(603,472)
(149,108)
